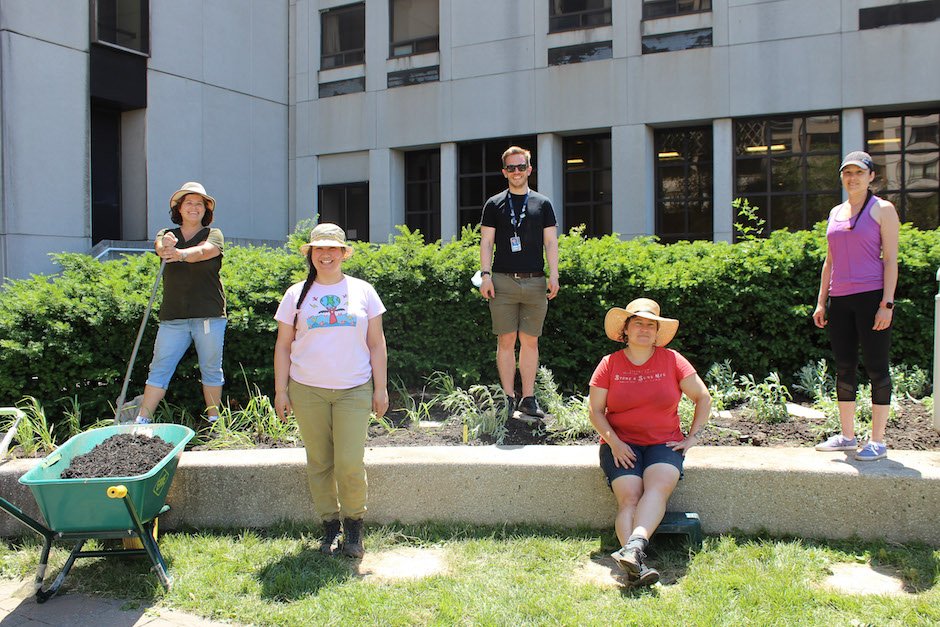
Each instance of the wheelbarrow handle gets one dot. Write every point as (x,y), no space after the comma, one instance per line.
(10,411)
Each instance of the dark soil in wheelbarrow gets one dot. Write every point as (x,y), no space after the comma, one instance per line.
(121,455)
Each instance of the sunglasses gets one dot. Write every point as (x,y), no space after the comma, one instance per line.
(511,167)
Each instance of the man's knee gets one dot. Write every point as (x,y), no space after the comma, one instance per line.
(528,341)
(507,340)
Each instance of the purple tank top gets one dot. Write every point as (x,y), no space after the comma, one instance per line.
(855,247)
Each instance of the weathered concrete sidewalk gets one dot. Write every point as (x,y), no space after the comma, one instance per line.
(787,491)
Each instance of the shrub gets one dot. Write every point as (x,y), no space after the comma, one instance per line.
(69,336)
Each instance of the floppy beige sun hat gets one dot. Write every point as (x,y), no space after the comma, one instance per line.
(192,187)
(644,308)
(326,234)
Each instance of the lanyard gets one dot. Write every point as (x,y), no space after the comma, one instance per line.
(513,220)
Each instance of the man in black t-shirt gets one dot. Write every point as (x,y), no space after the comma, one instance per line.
(521,224)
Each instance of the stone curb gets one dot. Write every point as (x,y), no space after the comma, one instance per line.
(783,491)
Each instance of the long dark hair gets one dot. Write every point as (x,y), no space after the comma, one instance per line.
(308,283)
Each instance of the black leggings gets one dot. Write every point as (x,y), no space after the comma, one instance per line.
(850,320)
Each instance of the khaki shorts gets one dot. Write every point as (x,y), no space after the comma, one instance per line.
(519,304)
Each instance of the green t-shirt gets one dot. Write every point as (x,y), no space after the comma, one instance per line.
(193,290)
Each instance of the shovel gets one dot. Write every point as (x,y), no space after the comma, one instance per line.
(125,413)
(8,437)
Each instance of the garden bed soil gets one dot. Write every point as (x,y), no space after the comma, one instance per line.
(912,429)
(121,455)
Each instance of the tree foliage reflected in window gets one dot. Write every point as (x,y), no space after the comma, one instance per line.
(684,184)
(575,14)
(588,184)
(343,36)
(788,167)
(480,174)
(906,150)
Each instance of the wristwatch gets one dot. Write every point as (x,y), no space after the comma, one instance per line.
(183,255)
(485,273)
(887,304)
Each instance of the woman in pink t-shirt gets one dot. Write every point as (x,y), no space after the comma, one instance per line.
(634,404)
(330,370)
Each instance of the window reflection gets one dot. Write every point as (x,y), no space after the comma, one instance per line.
(683,170)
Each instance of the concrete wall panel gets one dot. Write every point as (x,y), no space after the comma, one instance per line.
(888,65)
(31,18)
(491,20)
(784,19)
(678,86)
(45,138)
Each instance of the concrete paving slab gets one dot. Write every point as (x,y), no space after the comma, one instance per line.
(809,413)
(19,607)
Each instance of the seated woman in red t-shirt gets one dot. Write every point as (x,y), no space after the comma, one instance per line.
(634,402)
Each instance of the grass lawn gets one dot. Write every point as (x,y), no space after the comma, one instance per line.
(506,576)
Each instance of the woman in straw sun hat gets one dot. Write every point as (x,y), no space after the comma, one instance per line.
(193,308)
(330,369)
(634,402)
(856,299)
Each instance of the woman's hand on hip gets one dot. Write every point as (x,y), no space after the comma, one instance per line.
(689,441)
(380,402)
(624,457)
(282,405)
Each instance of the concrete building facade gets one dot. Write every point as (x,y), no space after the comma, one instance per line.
(644,116)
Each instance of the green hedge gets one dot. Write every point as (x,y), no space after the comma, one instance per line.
(71,334)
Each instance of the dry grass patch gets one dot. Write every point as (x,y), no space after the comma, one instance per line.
(865,579)
(405,563)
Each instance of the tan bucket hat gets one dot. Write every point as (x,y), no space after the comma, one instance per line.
(326,234)
(192,187)
(644,308)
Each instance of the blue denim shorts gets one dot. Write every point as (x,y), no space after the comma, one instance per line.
(173,340)
(646,456)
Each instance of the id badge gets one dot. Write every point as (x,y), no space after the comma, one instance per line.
(515,244)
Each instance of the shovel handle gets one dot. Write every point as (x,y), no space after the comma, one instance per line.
(10,411)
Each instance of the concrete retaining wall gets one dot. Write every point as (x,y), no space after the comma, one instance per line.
(782,491)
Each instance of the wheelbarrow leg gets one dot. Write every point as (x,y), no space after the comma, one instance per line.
(145,531)
(44,595)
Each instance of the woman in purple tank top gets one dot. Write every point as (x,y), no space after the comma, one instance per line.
(856,299)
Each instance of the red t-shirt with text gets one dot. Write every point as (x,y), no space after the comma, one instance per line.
(643,401)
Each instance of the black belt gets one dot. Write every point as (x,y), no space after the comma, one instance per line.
(523,275)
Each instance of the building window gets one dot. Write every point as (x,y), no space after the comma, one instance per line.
(415,26)
(414,76)
(683,40)
(480,174)
(906,150)
(668,8)
(343,36)
(347,205)
(339,88)
(683,168)
(575,14)
(788,167)
(124,23)
(588,184)
(580,53)
(895,14)
(423,193)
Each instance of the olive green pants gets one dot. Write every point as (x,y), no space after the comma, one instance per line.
(334,425)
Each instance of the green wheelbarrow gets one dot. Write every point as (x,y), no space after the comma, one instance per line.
(78,510)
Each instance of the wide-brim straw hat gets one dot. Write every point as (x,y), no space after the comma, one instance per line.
(644,308)
(326,234)
(192,187)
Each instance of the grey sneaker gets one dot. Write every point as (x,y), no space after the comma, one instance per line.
(838,442)
(647,577)
(871,451)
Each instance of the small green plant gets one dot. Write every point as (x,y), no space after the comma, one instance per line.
(722,383)
(570,417)
(383,423)
(686,413)
(36,434)
(750,226)
(766,401)
(481,408)
(415,410)
(815,381)
(910,382)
